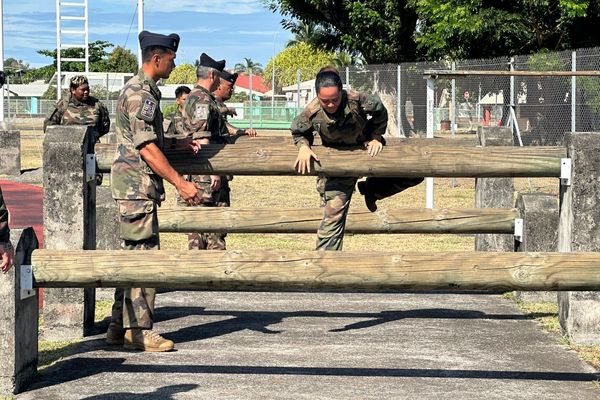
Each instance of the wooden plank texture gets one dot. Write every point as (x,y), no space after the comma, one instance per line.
(252,158)
(312,270)
(223,219)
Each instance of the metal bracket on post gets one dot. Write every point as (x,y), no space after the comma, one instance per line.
(90,167)
(565,171)
(26,282)
(519,229)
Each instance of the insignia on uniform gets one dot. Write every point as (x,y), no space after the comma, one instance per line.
(148,109)
(201,111)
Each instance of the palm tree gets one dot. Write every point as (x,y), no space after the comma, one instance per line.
(248,67)
(344,59)
(305,32)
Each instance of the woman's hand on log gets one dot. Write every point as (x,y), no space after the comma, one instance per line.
(302,164)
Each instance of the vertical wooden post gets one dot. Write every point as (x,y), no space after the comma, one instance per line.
(69,224)
(494,192)
(18,321)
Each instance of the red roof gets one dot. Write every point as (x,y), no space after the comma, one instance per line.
(258,83)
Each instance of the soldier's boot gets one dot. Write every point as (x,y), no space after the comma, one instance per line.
(370,200)
(115,334)
(146,340)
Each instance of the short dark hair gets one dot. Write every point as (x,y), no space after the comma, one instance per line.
(148,52)
(328,78)
(181,90)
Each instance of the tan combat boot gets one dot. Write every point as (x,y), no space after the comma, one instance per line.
(146,340)
(115,334)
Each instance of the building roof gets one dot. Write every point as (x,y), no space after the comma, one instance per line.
(258,83)
(31,90)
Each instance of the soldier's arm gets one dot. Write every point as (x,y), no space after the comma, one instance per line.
(374,107)
(104,120)
(55,116)
(6,249)
(302,130)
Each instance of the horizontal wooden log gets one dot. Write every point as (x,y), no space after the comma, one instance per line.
(286,139)
(317,270)
(222,219)
(250,158)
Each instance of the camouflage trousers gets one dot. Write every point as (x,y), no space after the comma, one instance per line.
(336,194)
(138,228)
(218,198)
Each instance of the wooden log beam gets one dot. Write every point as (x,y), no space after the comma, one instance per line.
(250,158)
(317,270)
(286,139)
(222,219)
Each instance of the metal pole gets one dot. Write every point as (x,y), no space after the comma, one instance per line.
(87,40)
(573,92)
(251,98)
(430,102)
(453,115)
(399,103)
(273,80)
(140,7)
(8,95)
(298,91)
(58,61)
(512,90)
(347,77)
(2,57)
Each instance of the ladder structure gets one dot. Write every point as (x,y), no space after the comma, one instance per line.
(71,33)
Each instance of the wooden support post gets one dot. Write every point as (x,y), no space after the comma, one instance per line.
(18,321)
(494,192)
(69,223)
(540,233)
(579,230)
(307,220)
(318,270)
(407,160)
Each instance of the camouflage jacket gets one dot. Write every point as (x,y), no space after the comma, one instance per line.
(350,125)
(138,121)
(4,231)
(73,112)
(201,116)
(173,125)
(224,126)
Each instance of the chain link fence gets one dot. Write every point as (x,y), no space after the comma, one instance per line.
(544,107)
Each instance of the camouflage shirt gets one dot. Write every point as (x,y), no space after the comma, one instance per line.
(4,231)
(359,117)
(138,121)
(201,114)
(73,112)
(173,125)
(224,126)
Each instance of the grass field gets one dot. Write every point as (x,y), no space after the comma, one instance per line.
(296,192)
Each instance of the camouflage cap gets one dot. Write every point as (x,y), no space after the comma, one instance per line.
(78,80)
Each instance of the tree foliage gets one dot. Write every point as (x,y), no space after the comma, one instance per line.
(183,74)
(121,60)
(301,57)
(413,30)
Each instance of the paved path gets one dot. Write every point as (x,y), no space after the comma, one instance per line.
(329,346)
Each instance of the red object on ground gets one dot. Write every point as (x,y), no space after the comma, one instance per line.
(25,205)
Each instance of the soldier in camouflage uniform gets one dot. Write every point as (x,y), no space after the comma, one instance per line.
(174,121)
(80,109)
(201,121)
(222,94)
(137,185)
(341,118)
(7,253)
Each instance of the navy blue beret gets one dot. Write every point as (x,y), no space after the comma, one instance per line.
(207,61)
(148,39)
(229,77)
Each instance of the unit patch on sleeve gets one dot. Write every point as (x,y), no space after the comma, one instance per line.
(201,111)
(148,109)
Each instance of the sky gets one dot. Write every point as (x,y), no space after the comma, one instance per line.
(229,30)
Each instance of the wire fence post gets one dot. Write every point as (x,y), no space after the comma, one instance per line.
(430,104)
(573,92)
(453,115)
(512,93)
(399,130)
(251,110)
(348,77)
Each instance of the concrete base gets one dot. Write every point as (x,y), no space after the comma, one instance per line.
(18,321)
(540,233)
(494,192)
(10,153)
(579,231)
